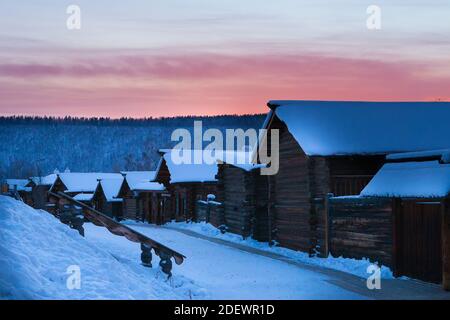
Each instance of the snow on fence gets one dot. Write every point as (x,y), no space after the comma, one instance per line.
(211,212)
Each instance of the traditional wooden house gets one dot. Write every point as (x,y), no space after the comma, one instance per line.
(337,147)
(414,192)
(39,189)
(106,197)
(79,184)
(20,186)
(242,191)
(186,183)
(143,199)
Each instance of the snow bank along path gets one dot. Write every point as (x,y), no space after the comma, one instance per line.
(36,250)
(352,266)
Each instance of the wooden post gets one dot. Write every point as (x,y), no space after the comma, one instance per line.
(269,212)
(396,213)
(326,205)
(446,244)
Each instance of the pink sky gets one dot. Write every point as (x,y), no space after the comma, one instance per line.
(151,69)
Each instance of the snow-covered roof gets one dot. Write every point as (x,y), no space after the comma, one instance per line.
(111,188)
(85,182)
(341,127)
(428,179)
(239,159)
(45,181)
(189,172)
(84,197)
(18,184)
(136,179)
(443,154)
(149,186)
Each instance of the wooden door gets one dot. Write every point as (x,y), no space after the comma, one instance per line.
(418,240)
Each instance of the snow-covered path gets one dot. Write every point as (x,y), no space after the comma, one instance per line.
(225,272)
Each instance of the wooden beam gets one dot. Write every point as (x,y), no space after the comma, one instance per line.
(446,244)
(99,219)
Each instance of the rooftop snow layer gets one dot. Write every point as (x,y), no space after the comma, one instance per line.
(418,154)
(427,179)
(190,171)
(44,181)
(84,197)
(239,159)
(85,182)
(142,181)
(111,188)
(149,186)
(341,127)
(18,184)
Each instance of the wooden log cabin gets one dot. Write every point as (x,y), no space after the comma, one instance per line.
(106,197)
(143,198)
(185,183)
(79,184)
(337,147)
(416,187)
(20,186)
(39,188)
(242,190)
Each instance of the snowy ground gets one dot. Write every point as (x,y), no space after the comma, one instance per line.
(352,266)
(229,273)
(36,251)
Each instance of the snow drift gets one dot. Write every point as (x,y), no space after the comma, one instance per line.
(36,251)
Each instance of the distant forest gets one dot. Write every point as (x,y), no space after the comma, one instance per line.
(31,146)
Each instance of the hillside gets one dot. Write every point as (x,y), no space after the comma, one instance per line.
(38,255)
(35,145)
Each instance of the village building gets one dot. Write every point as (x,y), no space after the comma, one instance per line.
(186,183)
(39,191)
(415,188)
(18,188)
(143,199)
(336,148)
(242,193)
(106,197)
(78,184)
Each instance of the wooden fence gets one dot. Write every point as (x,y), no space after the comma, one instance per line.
(361,228)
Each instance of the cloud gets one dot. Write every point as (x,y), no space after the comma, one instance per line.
(204,83)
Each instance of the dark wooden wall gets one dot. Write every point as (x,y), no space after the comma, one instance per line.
(244,198)
(297,222)
(418,239)
(291,194)
(446,243)
(235,193)
(348,175)
(40,197)
(361,228)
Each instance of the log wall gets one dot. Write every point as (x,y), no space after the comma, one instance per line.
(291,195)
(361,228)
(244,197)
